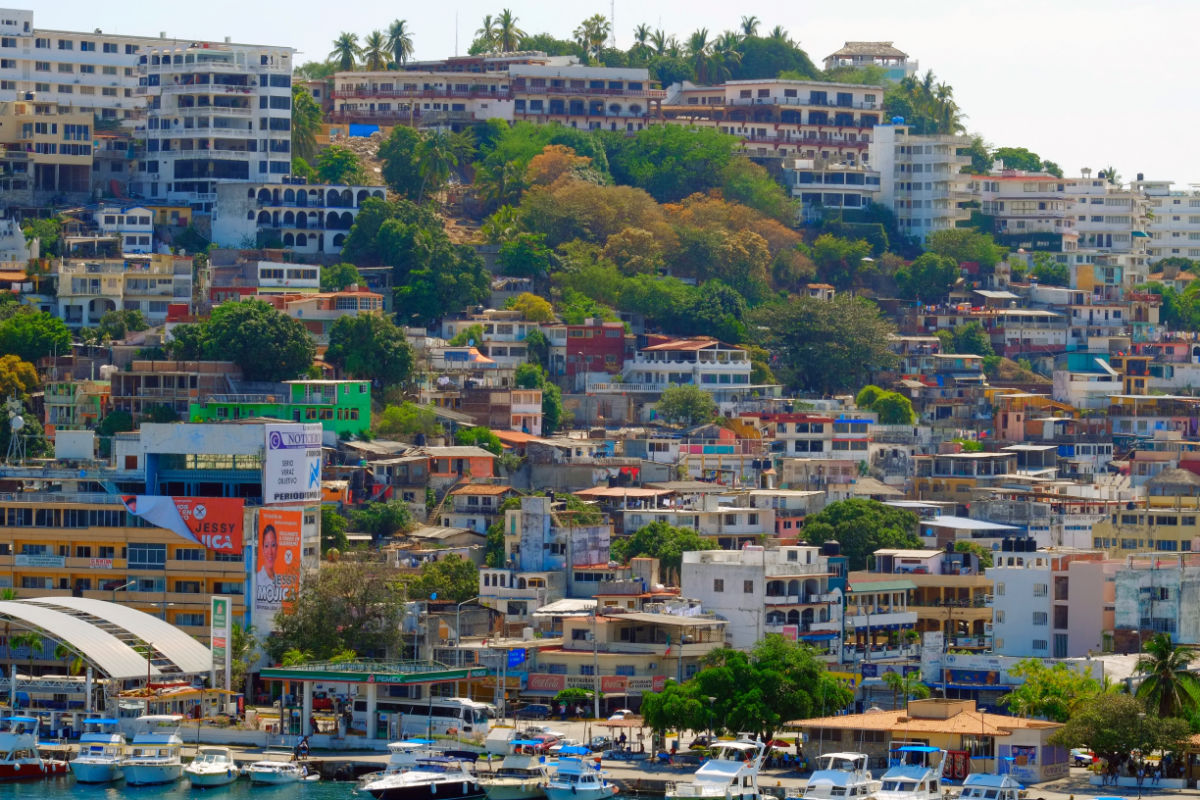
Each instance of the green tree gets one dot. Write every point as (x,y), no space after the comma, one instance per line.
(964,244)
(927,107)
(671,161)
(382,520)
(436,158)
(972,339)
(907,685)
(338,164)
(116,325)
(660,540)
(48,232)
(1018,158)
(981,156)
(825,346)
(375,51)
(743,181)
(451,577)
(31,335)
(346,51)
(769,57)
(243,654)
(306,123)
(1049,271)
(525,255)
(333,531)
(591,35)
(17,378)
(508,35)
(862,527)
(160,412)
(27,640)
(400,165)
(360,595)
(894,408)
(534,376)
(985,554)
(370,347)
(406,419)
(400,42)
(114,422)
(839,260)
(928,278)
(267,344)
(686,405)
(1053,692)
(479,437)
(533,307)
(337,277)
(1168,686)
(1114,725)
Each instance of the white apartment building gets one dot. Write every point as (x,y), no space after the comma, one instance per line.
(422,99)
(731,526)
(1158,593)
(1108,218)
(287,212)
(134,224)
(1174,227)
(719,368)
(783,590)
(215,113)
(1027,203)
(1049,603)
(921,178)
(595,98)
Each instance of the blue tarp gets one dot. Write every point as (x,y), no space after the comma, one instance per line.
(363,130)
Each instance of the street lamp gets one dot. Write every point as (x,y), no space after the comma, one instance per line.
(121,588)
(458,639)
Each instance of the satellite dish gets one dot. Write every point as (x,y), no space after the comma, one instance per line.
(16,423)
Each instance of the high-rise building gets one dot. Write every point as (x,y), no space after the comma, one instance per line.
(921,178)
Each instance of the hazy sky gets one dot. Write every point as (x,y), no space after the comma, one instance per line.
(1085,83)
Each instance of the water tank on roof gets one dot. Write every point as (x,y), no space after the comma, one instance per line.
(1007,544)
(831,548)
(897,120)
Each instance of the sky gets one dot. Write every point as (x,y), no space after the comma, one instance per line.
(1084,83)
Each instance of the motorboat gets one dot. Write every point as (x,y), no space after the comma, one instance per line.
(841,775)
(730,772)
(914,773)
(155,752)
(521,774)
(275,773)
(19,756)
(441,776)
(990,786)
(101,751)
(402,756)
(575,778)
(212,766)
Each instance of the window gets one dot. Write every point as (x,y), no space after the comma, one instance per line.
(1041,590)
(195,620)
(1040,618)
(189,554)
(718,585)
(110,47)
(748,587)
(144,555)
(1040,644)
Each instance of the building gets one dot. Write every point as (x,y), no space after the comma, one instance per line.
(1050,603)
(157,285)
(287,212)
(342,407)
(475,506)
(215,113)
(719,368)
(504,408)
(259,278)
(592,98)
(47,150)
(175,384)
(921,179)
(793,591)
(595,347)
(74,405)
(133,224)
(856,55)
(1156,594)
(732,526)
(956,725)
(318,312)
(424,99)
(953,476)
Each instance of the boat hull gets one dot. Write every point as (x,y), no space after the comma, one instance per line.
(272,778)
(97,771)
(31,771)
(212,778)
(151,774)
(436,790)
(565,792)
(514,790)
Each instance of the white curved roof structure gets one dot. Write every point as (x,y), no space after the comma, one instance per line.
(105,635)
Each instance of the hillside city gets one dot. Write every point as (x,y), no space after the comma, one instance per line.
(702,382)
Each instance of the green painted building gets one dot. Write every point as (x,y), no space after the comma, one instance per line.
(342,407)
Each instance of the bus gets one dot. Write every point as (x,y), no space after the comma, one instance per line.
(434,716)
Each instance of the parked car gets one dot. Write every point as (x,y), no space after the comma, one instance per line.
(322,701)
(534,711)
(599,744)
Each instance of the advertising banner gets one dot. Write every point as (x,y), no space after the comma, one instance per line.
(292,463)
(545,682)
(214,522)
(220,629)
(613,684)
(277,559)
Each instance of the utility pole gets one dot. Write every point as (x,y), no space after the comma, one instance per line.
(595,667)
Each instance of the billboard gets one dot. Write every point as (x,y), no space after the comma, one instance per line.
(214,522)
(292,463)
(277,559)
(220,631)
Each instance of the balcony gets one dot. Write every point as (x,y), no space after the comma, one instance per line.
(651,94)
(420,94)
(880,620)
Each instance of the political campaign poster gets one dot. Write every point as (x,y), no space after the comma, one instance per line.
(292,463)
(277,559)
(214,522)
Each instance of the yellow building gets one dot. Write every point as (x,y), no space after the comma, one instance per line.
(1163,521)
(90,546)
(56,144)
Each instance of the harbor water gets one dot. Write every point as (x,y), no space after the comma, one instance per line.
(68,789)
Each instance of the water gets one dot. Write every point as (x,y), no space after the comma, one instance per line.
(64,788)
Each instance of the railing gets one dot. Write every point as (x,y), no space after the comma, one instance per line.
(796,101)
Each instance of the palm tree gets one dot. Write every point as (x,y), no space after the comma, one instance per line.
(487,33)
(725,54)
(1168,687)
(1112,176)
(641,47)
(375,51)
(909,685)
(699,53)
(660,41)
(29,639)
(343,656)
(592,33)
(436,157)
(400,41)
(345,51)
(508,35)
(502,225)
(243,651)
(750,26)
(68,654)
(779,34)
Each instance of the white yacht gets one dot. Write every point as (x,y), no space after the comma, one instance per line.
(915,773)
(155,753)
(101,751)
(402,756)
(445,777)
(731,772)
(273,773)
(212,766)
(841,775)
(521,774)
(575,778)
(990,786)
